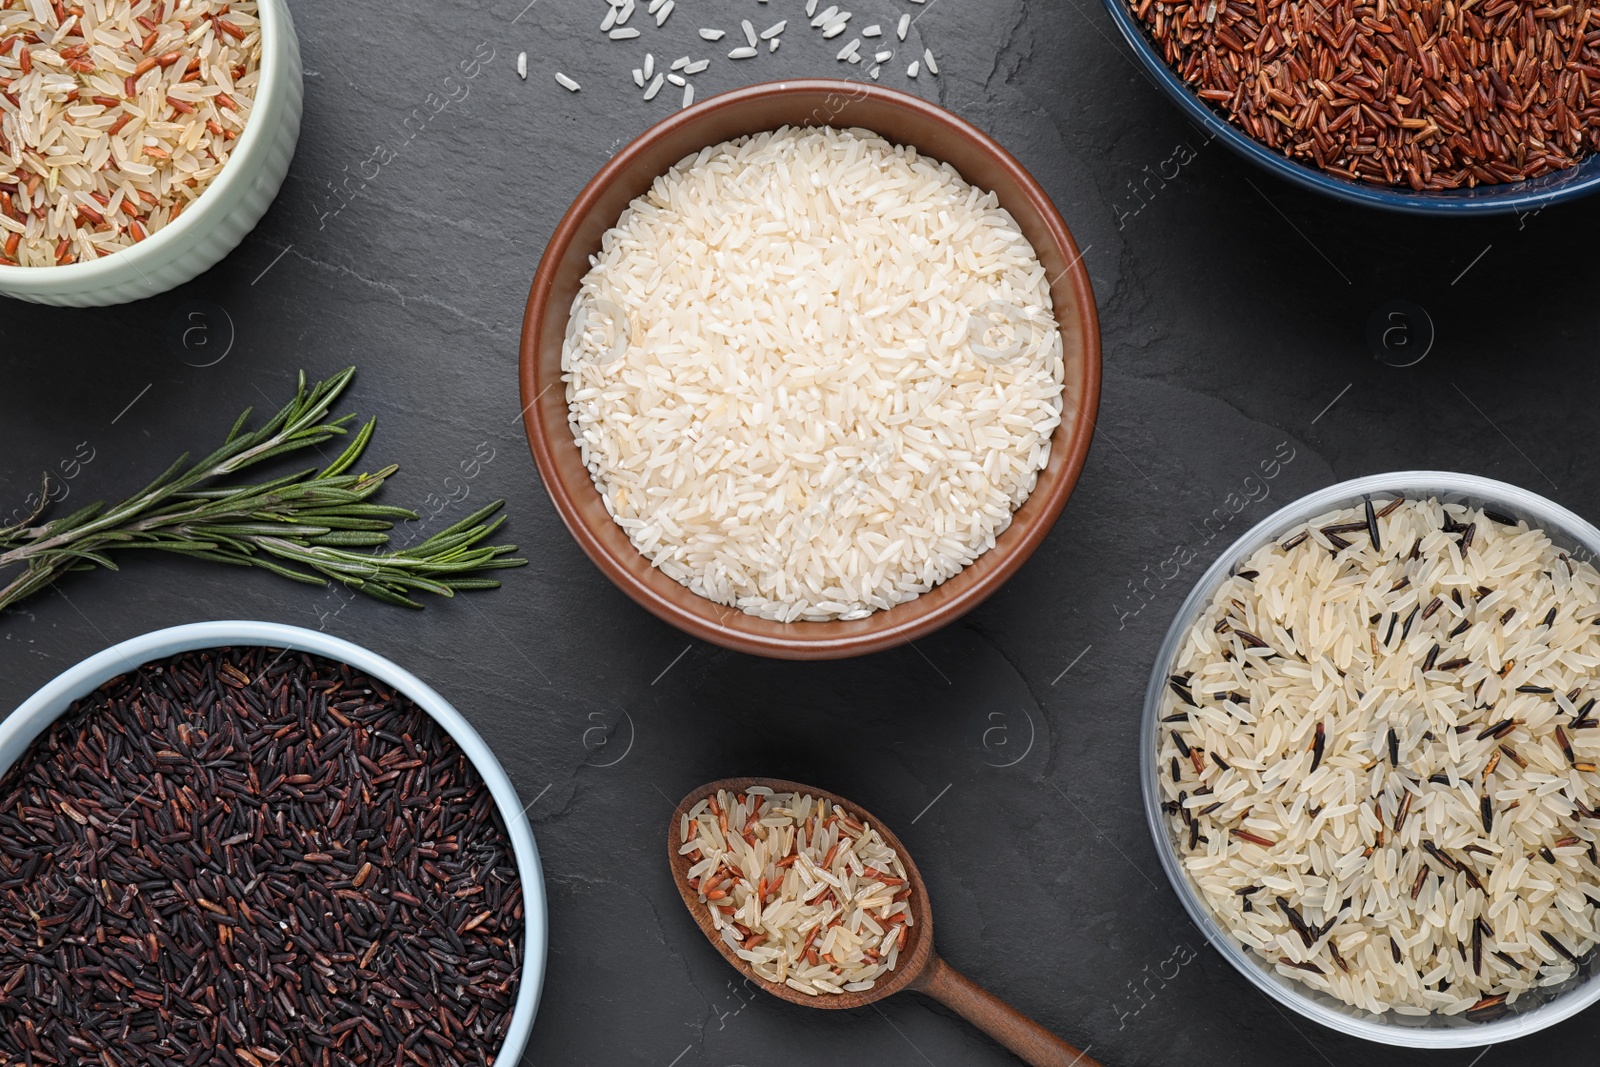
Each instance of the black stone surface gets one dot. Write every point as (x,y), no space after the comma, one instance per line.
(1235,311)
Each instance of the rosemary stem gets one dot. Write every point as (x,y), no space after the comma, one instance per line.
(310,519)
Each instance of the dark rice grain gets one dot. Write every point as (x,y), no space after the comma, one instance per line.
(247,858)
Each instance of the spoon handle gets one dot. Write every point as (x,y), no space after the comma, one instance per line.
(1031,1042)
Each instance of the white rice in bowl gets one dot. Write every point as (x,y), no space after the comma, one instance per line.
(813,373)
(1378,758)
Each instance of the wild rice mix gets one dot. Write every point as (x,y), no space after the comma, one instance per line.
(114,117)
(1379,757)
(1433,94)
(810,897)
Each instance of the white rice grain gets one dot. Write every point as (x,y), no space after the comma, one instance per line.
(775,378)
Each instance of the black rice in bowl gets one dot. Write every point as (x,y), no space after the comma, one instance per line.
(251,857)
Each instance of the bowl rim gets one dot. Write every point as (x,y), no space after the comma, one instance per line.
(1522,502)
(822,642)
(275,20)
(34,715)
(1387,198)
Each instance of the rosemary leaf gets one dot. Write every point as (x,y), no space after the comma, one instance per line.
(302,526)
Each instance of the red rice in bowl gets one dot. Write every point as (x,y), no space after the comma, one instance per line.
(115,115)
(1378,757)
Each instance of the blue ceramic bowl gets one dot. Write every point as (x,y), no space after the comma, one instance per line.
(1518,197)
(1534,1010)
(34,716)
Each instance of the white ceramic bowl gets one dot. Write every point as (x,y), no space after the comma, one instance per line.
(1534,1010)
(229,208)
(18,730)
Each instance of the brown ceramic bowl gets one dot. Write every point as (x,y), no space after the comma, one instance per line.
(897,117)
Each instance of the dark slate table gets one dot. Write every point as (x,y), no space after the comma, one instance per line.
(1236,314)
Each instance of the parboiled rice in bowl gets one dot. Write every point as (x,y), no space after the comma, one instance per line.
(140,140)
(1433,886)
(116,118)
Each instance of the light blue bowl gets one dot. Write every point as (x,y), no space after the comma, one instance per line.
(1518,197)
(18,730)
(229,208)
(1534,1010)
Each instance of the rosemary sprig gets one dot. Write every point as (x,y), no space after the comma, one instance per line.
(311,526)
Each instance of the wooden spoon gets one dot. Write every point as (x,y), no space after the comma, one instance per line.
(918,967)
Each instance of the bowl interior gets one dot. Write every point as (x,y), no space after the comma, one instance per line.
(1534,1010)
(900,118)
(1484,200)
(244,160)
(35,714)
